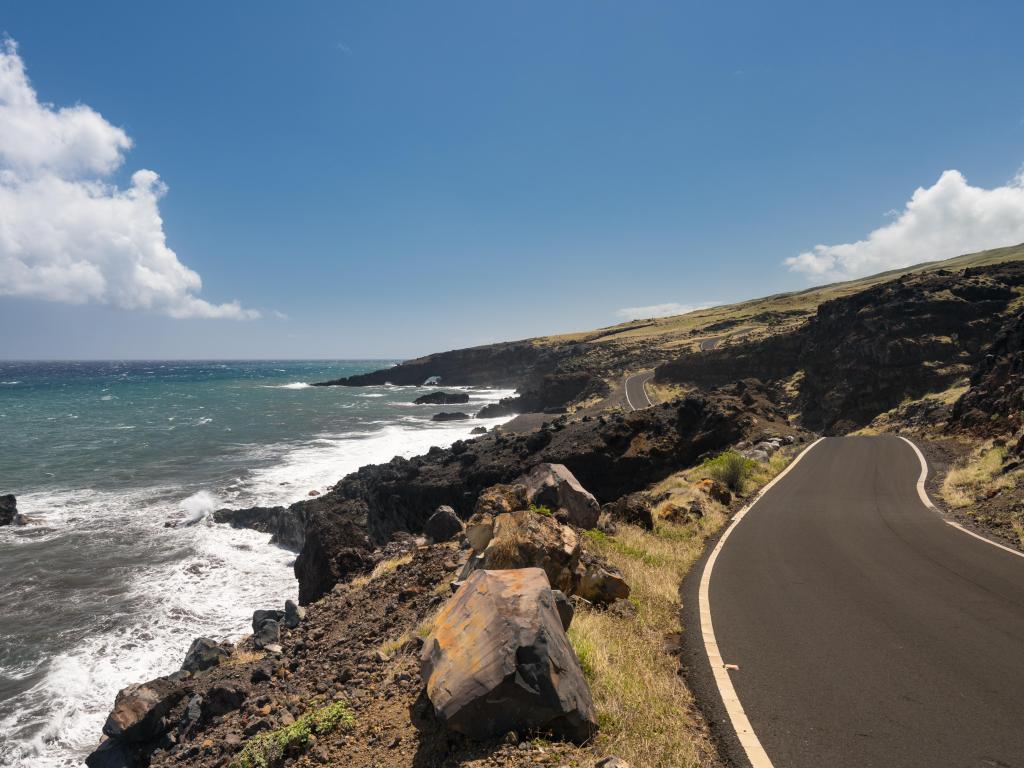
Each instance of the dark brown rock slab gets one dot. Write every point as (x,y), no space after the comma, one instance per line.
(499,660)
(555,486)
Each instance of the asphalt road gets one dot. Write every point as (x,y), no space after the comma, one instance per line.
(867,631)
(636,391)
(709,344)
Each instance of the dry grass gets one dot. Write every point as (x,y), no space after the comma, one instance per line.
(976,478)
(645,711)
(1018,528)
(382,568)
(240,657)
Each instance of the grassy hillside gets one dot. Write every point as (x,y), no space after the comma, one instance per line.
(759,317)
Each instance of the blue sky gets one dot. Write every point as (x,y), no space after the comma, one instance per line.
(397,178)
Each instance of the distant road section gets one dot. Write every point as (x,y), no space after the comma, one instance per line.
(709,344)
(636,391)
(865,630)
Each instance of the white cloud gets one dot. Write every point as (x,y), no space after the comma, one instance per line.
(66,233)
(947,219)
(660,310)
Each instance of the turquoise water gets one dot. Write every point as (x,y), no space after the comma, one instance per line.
(100,592)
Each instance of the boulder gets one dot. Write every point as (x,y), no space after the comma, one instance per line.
(204,653)
(635,508)
(268,634)
(601,586)
(478,431)
(525,539)
(480,531)
(554,486)
(8,509)
(499,660)
(450,416)
(442,398)
(443,525)
(139,710)
(504,497)
(293,614)
(258,617)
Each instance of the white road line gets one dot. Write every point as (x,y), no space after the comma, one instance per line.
(643,388)
(923,494)
(744,731)
(625,386)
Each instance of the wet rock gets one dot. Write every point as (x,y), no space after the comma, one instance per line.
(285,524)
(601,586)
(139,710)
(450,416)
(204,653)
(554,486)
(635,508)
(112,754)
(8,509)
(293,614)
(527,540)
(443,525)
(478,431)
(498,660)
(442,398)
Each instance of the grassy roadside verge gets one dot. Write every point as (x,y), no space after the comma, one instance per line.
(646,713)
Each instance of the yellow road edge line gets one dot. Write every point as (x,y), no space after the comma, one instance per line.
(734,709)
(923,494)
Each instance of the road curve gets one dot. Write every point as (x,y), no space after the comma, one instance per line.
(866,631)
(636,390)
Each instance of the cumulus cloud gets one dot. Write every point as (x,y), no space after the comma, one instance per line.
(66,232)
(947,219)
(660,310)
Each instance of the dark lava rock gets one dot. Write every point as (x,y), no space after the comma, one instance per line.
(994,403)
(636,508)
(442,398)
(113,754)
(286,526)
(450,416)
(610,457)
(223,698)
(478,431)
(8,509)
(555,487)
(267,633)
(443,525)
(564,607)
(204,654)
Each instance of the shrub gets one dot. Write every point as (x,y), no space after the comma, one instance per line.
(541,510)
(731,469)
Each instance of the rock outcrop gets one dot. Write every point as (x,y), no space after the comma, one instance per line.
(450,416)
(994,403)
(442,398)
(633,508)
(286,527)
(498,660)
(8,509)
(610,456)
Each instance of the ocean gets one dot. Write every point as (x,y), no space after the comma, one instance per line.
(97,592)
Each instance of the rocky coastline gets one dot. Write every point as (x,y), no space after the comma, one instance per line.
(406,571)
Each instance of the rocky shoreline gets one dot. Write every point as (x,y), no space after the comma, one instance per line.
(428,584)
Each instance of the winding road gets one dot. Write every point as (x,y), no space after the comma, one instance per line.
(636,390)
(865,630)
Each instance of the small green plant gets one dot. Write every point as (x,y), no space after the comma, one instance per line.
(602,539)
(268,749)
(540,509)
(730,469)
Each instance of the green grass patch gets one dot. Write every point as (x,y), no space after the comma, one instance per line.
(268,749)
(540,509)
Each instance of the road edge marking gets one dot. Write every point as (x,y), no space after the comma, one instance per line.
(625,388)
(643,388)
(734,709)
(923,494)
